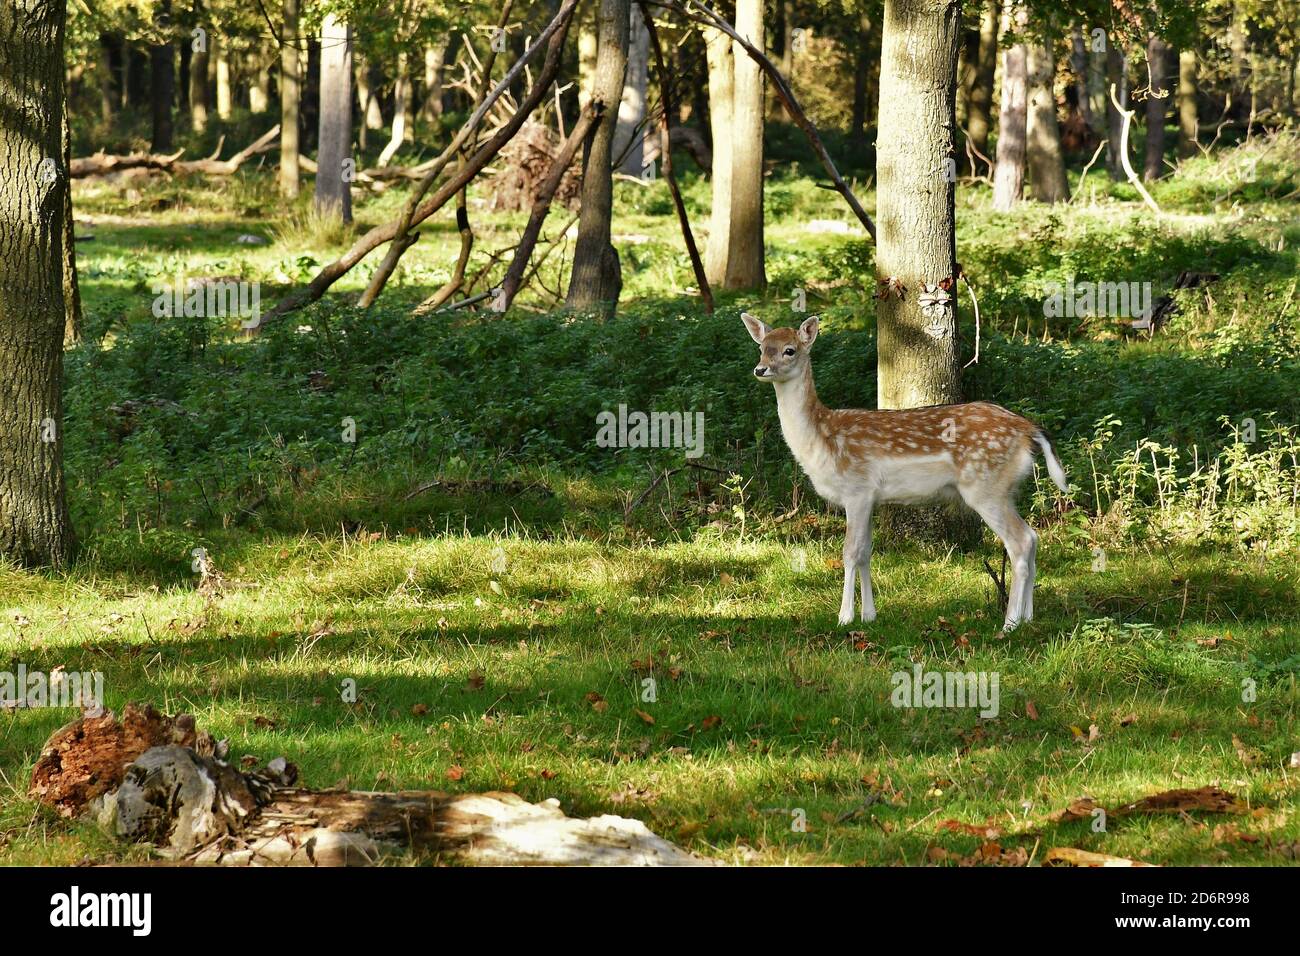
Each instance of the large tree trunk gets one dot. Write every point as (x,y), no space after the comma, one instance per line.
(290,94)
(596,280)
(135,91)
(1117,76)
(1079,66)
(34,525)
(1009,171)
(1188,117)
(259,89)
(630,133)
(722,81)
(198,80)
(1157,104)
(333,191)
(1045,159)
(916,241)
(981,93)
(162,82)
(745,269)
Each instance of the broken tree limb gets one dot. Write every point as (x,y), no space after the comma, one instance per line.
(666,151)
(100,164)
(465,139)
(555,35)
(582,129)
(707,17)
(1129,171)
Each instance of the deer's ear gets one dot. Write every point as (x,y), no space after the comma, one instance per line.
(755,326)
(808,331)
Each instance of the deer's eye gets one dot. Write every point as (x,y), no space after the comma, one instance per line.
(789,351)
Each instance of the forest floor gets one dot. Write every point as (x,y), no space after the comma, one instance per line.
(508,628)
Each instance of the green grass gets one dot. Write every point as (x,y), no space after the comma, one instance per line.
(337,567)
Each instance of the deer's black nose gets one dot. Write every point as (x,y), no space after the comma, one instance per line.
(760,371)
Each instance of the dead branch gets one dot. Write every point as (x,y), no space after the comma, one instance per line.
(666,155)
(708,17)
(1123,154)
(101,164)
(582,129)
(331,273)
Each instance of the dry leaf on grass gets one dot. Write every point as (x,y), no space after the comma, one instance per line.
(1069,856)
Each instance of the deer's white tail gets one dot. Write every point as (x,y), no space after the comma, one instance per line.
(1053,465)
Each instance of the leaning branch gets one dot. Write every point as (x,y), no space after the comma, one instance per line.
(707,17)
(1129,171)
(379,235)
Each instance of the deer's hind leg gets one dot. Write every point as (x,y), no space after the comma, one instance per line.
(1021,543)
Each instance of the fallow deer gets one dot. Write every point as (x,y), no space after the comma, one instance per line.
(858,458)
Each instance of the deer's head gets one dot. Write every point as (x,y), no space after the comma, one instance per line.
(783,354)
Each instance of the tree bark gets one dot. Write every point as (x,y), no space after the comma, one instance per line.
(722,79)
(1043,134)
(596,280)
(981,94)
(588,44)
(1079,66)
(290,94)
(333,191)
(1009,171)
(71,287)
(916,245)
(745,266)
(162,83)
(35,530)
(259,90)
(630,133)
(1116,75)
(1157,104)
(108,93)
(1189,123)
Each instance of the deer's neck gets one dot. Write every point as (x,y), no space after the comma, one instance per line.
(800,412)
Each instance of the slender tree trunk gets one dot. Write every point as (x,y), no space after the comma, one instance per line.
(917,353)
(71,287)
(401,111)
(333,190)
(588,43)
(431,108)
(1157,104)
(862,63)
(722,81)
(223,81)
(1079,66)
(162,83)
(34,526)
(135,92)
(198,80)
(1116,75)
(596,280)
(109,95)
(1045,158)
(1009,171)
(290,94)
(745,267)
(981,94)
(1188,116)
(259,91)
(630,133)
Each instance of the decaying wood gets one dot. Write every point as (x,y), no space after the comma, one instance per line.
(87,757)
(100,163)
(356,828)
(150,778)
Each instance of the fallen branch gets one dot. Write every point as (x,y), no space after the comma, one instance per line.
(101,164)
(708,17)
(666,154)
(379,235)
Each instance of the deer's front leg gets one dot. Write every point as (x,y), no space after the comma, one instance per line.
(857,559)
